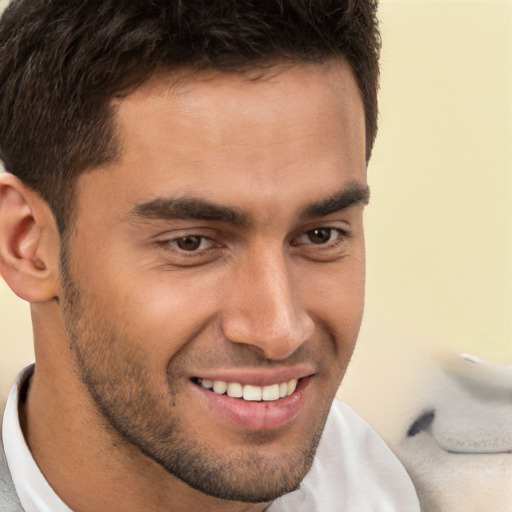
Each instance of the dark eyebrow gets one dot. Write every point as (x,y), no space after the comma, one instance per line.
(189,208)
(352,194)
(200,209)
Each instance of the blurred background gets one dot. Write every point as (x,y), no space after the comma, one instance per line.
(432,372)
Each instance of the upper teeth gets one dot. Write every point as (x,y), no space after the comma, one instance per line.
(249,392)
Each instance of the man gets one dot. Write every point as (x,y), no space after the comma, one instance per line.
(183,210)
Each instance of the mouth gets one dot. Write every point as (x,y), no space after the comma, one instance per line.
(249,406)
(249,392)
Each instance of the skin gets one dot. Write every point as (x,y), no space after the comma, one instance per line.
(270,292)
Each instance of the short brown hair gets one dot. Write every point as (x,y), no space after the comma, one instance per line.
(63,61)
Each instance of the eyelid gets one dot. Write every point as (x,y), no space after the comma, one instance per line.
(174,243)
(168,241)
(342,234)
(168,233)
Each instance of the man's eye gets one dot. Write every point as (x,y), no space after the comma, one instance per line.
(191,242)
(318,236)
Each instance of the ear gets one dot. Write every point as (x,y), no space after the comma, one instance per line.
(29,242)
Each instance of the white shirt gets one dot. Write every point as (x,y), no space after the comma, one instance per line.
(353,471)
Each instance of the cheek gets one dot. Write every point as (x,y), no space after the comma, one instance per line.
(335,291)
(159,312)
(335,299)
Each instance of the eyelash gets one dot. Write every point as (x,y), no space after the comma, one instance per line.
(342,234)
(294,242)
(171,245)
(201,239)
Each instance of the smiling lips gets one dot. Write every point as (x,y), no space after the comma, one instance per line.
(263,402)
(249,392)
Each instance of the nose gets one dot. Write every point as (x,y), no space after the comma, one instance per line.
(263,308)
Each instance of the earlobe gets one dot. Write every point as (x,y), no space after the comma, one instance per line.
(29,242)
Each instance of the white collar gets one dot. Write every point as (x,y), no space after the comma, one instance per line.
(34,492)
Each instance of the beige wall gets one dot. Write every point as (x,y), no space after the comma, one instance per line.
(439,227)
(15,337)
(439,231)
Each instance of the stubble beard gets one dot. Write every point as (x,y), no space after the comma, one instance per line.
(145,417)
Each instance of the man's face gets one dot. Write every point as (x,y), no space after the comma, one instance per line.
(225,246)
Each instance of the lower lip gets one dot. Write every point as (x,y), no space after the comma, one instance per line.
(256,415)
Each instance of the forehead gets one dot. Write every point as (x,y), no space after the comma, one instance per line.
(298,128)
